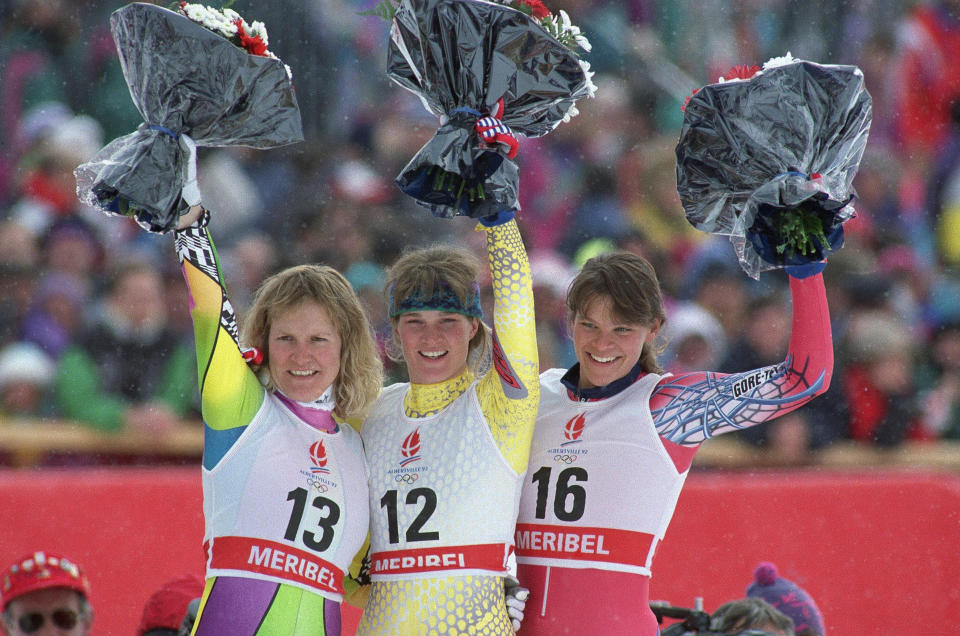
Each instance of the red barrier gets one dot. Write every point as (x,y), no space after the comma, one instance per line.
(878,551)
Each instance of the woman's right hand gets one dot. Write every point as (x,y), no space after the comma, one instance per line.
(189,217)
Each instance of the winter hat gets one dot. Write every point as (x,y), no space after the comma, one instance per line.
(167,606)
(41,571)
(788,597)
(25,362)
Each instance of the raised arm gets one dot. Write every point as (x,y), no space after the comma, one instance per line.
(510,392)
(690,408)
(230,394)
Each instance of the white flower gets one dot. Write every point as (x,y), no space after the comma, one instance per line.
(584,43)
(571,113)
(259,29)
(778,61)
(224,22)
(590,87)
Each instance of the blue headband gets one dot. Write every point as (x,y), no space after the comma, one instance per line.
(443,299)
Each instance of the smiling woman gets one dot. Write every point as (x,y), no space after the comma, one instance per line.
(616,420)
(445,451)
(304,351)
(284,480)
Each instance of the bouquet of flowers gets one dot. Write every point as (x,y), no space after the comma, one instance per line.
(768,156)
(488,70)
(198,76)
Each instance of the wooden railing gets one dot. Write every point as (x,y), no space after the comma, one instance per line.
(728,452)
(27,442)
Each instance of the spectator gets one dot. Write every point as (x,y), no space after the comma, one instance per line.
(127,369)
(17,283)
(26,374)
(56,313)
(787,597)
(71,247)
(46,590)
(47,188)
(722,290)
(551,274)
(166,609)
(878,383)
(749,614)
(33,47)
(695,340)
(938,381)
(927,83)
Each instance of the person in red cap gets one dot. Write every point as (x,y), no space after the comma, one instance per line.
(44,593)
(166,608)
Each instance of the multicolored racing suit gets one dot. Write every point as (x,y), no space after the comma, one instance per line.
(284,483)
(446,463)
(607,466)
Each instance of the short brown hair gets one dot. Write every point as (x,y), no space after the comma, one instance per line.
(630,282)
(425,271)
(361,370)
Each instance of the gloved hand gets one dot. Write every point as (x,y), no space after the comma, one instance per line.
(516,597)
(186,626)
(190,192)
(504,216)
(806,270)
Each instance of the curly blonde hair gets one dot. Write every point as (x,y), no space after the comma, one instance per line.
(361,370)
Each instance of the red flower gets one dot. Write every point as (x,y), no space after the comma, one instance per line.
(687,101)
(537,8)
(254,45)
(741,71)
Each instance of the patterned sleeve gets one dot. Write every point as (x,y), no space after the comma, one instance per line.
(510,392)
(692,407)
(230,394)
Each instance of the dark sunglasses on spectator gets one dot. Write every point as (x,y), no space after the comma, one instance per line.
(62,618)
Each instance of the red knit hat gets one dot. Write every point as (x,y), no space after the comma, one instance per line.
(40,571)
(167,606)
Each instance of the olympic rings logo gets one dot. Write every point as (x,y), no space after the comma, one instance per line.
(318,485)
(407,478)
(566,459)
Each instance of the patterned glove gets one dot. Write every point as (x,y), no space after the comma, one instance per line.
(504,216)
(807,270)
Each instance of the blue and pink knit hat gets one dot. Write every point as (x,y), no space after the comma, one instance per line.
(788,597)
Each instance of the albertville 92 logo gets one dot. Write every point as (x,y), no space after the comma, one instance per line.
(573,429)
(318,456)
(410,448)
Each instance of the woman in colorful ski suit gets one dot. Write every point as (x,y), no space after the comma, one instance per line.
(284,479)
(615,437)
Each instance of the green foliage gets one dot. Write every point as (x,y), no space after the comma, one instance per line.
(799,228)
(456,185)
(385,9)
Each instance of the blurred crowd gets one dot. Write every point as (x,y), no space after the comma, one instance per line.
(94,323)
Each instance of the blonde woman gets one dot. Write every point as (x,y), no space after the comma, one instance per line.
(284,480)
